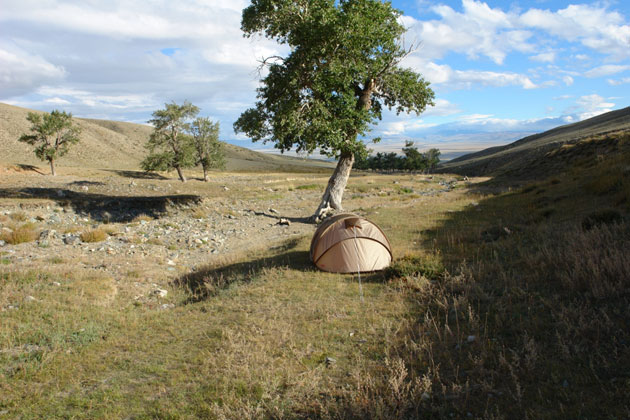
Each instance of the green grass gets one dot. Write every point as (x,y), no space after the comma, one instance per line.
(498,305)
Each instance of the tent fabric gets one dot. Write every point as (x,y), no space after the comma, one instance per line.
(348,243)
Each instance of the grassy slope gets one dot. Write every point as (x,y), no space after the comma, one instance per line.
(120,145)
(518,157)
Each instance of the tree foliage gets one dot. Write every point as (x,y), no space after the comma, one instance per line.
(208,148)
(52,134)
(180,140)
(411,160)
(342,71)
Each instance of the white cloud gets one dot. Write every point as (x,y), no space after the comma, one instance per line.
(592,105)
(477,31)
(21,71)
(606,70)
(466,79)
(622,81)
(568,80)
(548,57)
(591,25)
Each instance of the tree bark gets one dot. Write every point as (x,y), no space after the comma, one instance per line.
(52,167)
(181,174)
(331,200)
(205,174)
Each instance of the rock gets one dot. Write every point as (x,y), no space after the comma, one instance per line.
(284,222)
(272,210)
(2,243)
(70,240)
(471,338)
(61,193)
(170,262)
(47,235)
(225,188)
(167,306)
(56,283)
(160,292)
(330,361)
(30,299)
(85,188)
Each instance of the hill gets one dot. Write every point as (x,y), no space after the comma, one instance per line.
(120,145)
(537,155)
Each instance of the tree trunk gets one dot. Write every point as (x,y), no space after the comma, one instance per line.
(331,200)
(181,174)
(205,174)
(52,167)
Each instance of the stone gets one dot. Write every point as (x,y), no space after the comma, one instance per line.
(160,292)
(330,361)
(167,306)
(30,299)
(272,210)
(56,283)
(2,243)
(471,338)
(70,240)
(284,222)
(225,188)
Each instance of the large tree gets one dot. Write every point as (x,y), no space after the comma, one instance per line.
(209,150)
(170,146)
(52,134)
(343,69)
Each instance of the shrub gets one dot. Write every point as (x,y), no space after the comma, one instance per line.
(93,235)
(601,217)
(24,233)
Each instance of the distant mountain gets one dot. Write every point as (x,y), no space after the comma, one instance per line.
(120,145)
(525,158)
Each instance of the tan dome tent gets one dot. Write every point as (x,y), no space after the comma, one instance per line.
(347,243)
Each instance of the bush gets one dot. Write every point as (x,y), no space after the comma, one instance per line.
(601,217)
(24,233)
(93,235)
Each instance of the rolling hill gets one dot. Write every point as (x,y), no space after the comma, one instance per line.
(120,145)
(540,154)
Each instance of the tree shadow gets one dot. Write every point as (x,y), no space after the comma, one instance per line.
(207,282)
(32,168)
(105,208)
(138,174)
(278,217)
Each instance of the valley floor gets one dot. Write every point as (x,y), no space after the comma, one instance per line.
(136,296)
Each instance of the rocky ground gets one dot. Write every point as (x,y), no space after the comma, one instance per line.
(157,228)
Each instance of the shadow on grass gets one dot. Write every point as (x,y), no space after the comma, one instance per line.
(207,282)
(105,208)
(33,168)
(137,174)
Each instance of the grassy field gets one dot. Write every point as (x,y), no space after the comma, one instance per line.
(500,304)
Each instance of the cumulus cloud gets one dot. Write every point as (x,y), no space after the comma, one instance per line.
(618,82)
(442,74)
(589,106)
(592,25)
(21,71)
(548,57)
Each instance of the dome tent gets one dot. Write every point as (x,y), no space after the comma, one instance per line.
(347,243)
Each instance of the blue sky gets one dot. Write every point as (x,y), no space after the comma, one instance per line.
(500,70)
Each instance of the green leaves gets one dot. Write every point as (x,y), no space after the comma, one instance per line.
(52,134)
(341,72)
(180,139)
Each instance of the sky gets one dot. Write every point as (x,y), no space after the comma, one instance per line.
(500,70)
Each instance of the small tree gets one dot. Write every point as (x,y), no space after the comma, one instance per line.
(210,153)
(343,69)
(170,147)
(432,157)
(52,134)
(414,160)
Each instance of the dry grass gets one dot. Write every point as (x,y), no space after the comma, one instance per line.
(94,235)
(20,234)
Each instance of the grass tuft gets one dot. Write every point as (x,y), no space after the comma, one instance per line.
(21,234)
(94,235)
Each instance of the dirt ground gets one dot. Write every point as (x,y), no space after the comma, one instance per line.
(159,228)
